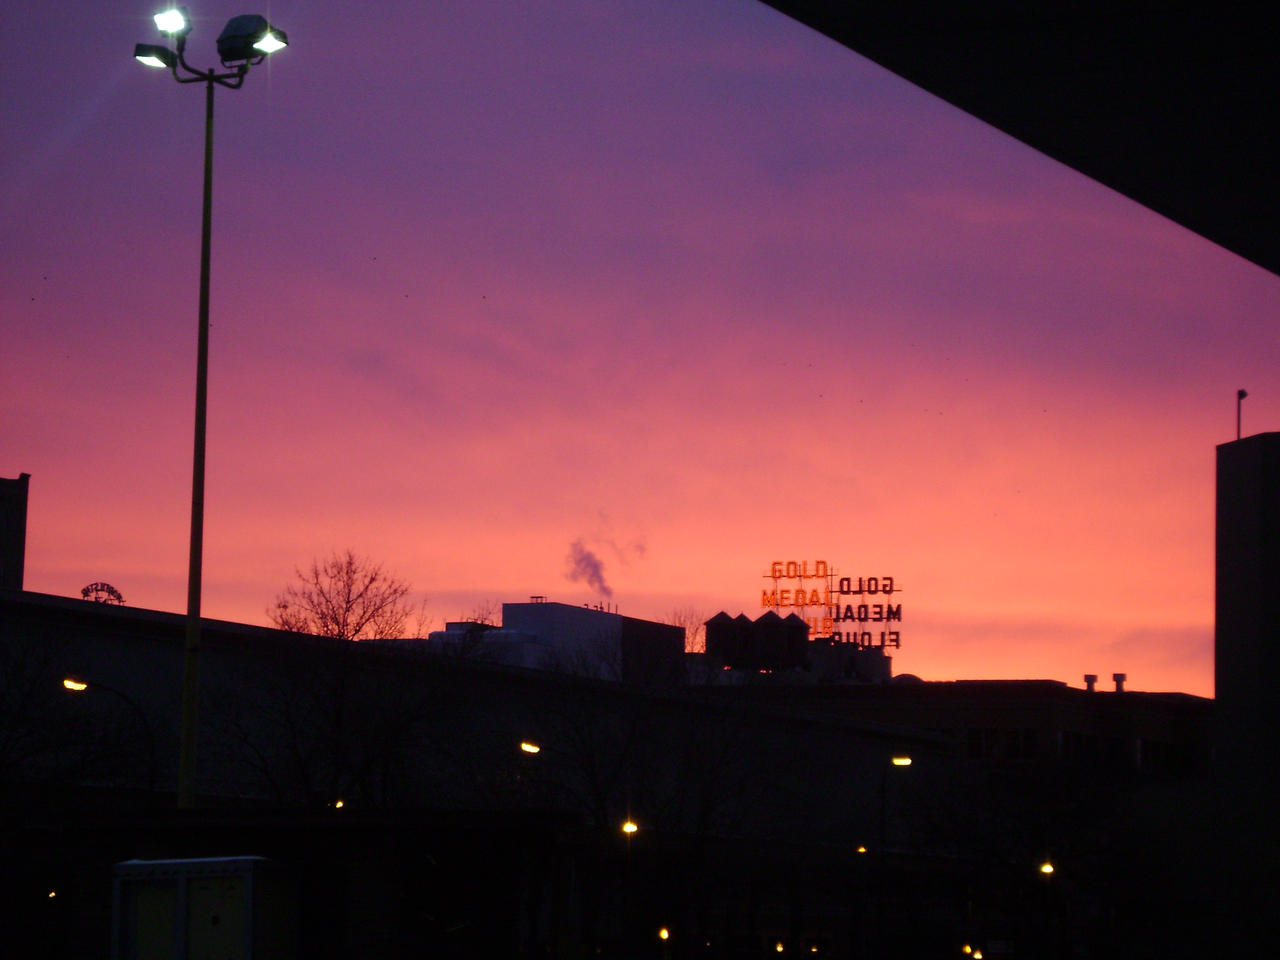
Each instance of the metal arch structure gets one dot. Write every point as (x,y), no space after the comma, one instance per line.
(1170,103)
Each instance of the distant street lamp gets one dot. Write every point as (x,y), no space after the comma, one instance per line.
(897,760)
(245,41)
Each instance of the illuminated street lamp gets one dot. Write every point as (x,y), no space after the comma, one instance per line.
(629,827)
(245,41)
(1046,868)
(898,760)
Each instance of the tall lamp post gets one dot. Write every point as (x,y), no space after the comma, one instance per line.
(897,760)
(244,42)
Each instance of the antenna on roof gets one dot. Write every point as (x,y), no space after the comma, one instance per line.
(1240,395)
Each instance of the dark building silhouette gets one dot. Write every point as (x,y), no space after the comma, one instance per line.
(778,645)
(1247,591)
(581,640)
(1246,674)
(13,530)
(768,644)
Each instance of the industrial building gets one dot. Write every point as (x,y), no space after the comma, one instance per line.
(584,641)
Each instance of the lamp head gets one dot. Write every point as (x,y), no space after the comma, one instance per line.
(154,55)
(175,21)
(248,38)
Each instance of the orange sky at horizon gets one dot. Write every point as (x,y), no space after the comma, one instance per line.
(698,288)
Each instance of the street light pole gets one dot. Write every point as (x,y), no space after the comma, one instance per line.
(191,645)
(897,760)
(246,40)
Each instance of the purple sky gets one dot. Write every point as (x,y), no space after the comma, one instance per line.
(686,283)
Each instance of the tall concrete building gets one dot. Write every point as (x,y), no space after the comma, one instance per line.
(1247,675)
(1247,590)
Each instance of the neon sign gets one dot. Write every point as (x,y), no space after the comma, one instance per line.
(852,605)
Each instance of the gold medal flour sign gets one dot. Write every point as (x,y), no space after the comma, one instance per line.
(855,610)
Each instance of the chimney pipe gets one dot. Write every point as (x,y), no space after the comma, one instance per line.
(1119,678)
(1090,680)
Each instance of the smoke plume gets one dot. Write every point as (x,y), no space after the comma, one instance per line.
(585,565)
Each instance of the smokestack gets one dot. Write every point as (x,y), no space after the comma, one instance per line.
(1090,681)
(1119,678)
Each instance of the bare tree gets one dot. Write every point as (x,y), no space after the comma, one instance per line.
(694,622)
(486,612)
(347,597)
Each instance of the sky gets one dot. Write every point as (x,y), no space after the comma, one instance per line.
(502,290)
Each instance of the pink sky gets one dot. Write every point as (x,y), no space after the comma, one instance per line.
(688,282)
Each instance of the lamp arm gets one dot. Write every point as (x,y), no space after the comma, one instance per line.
(233,80)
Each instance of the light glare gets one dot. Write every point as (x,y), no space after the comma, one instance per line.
(528,747)
(170,21)
(629,827)
(151,60)
(902,761)
(75,685)
(270,43)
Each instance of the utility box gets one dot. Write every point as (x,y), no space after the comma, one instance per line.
(211,908)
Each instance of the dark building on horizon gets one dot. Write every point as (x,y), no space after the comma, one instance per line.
(1247,688)
(13,530)
(585,641)
(781,646)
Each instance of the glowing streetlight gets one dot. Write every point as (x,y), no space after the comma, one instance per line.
(528,747)
(901,761)
(244,42)
(629,827)
(1046,868)
(173,21)
(75,685)
(664,934)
